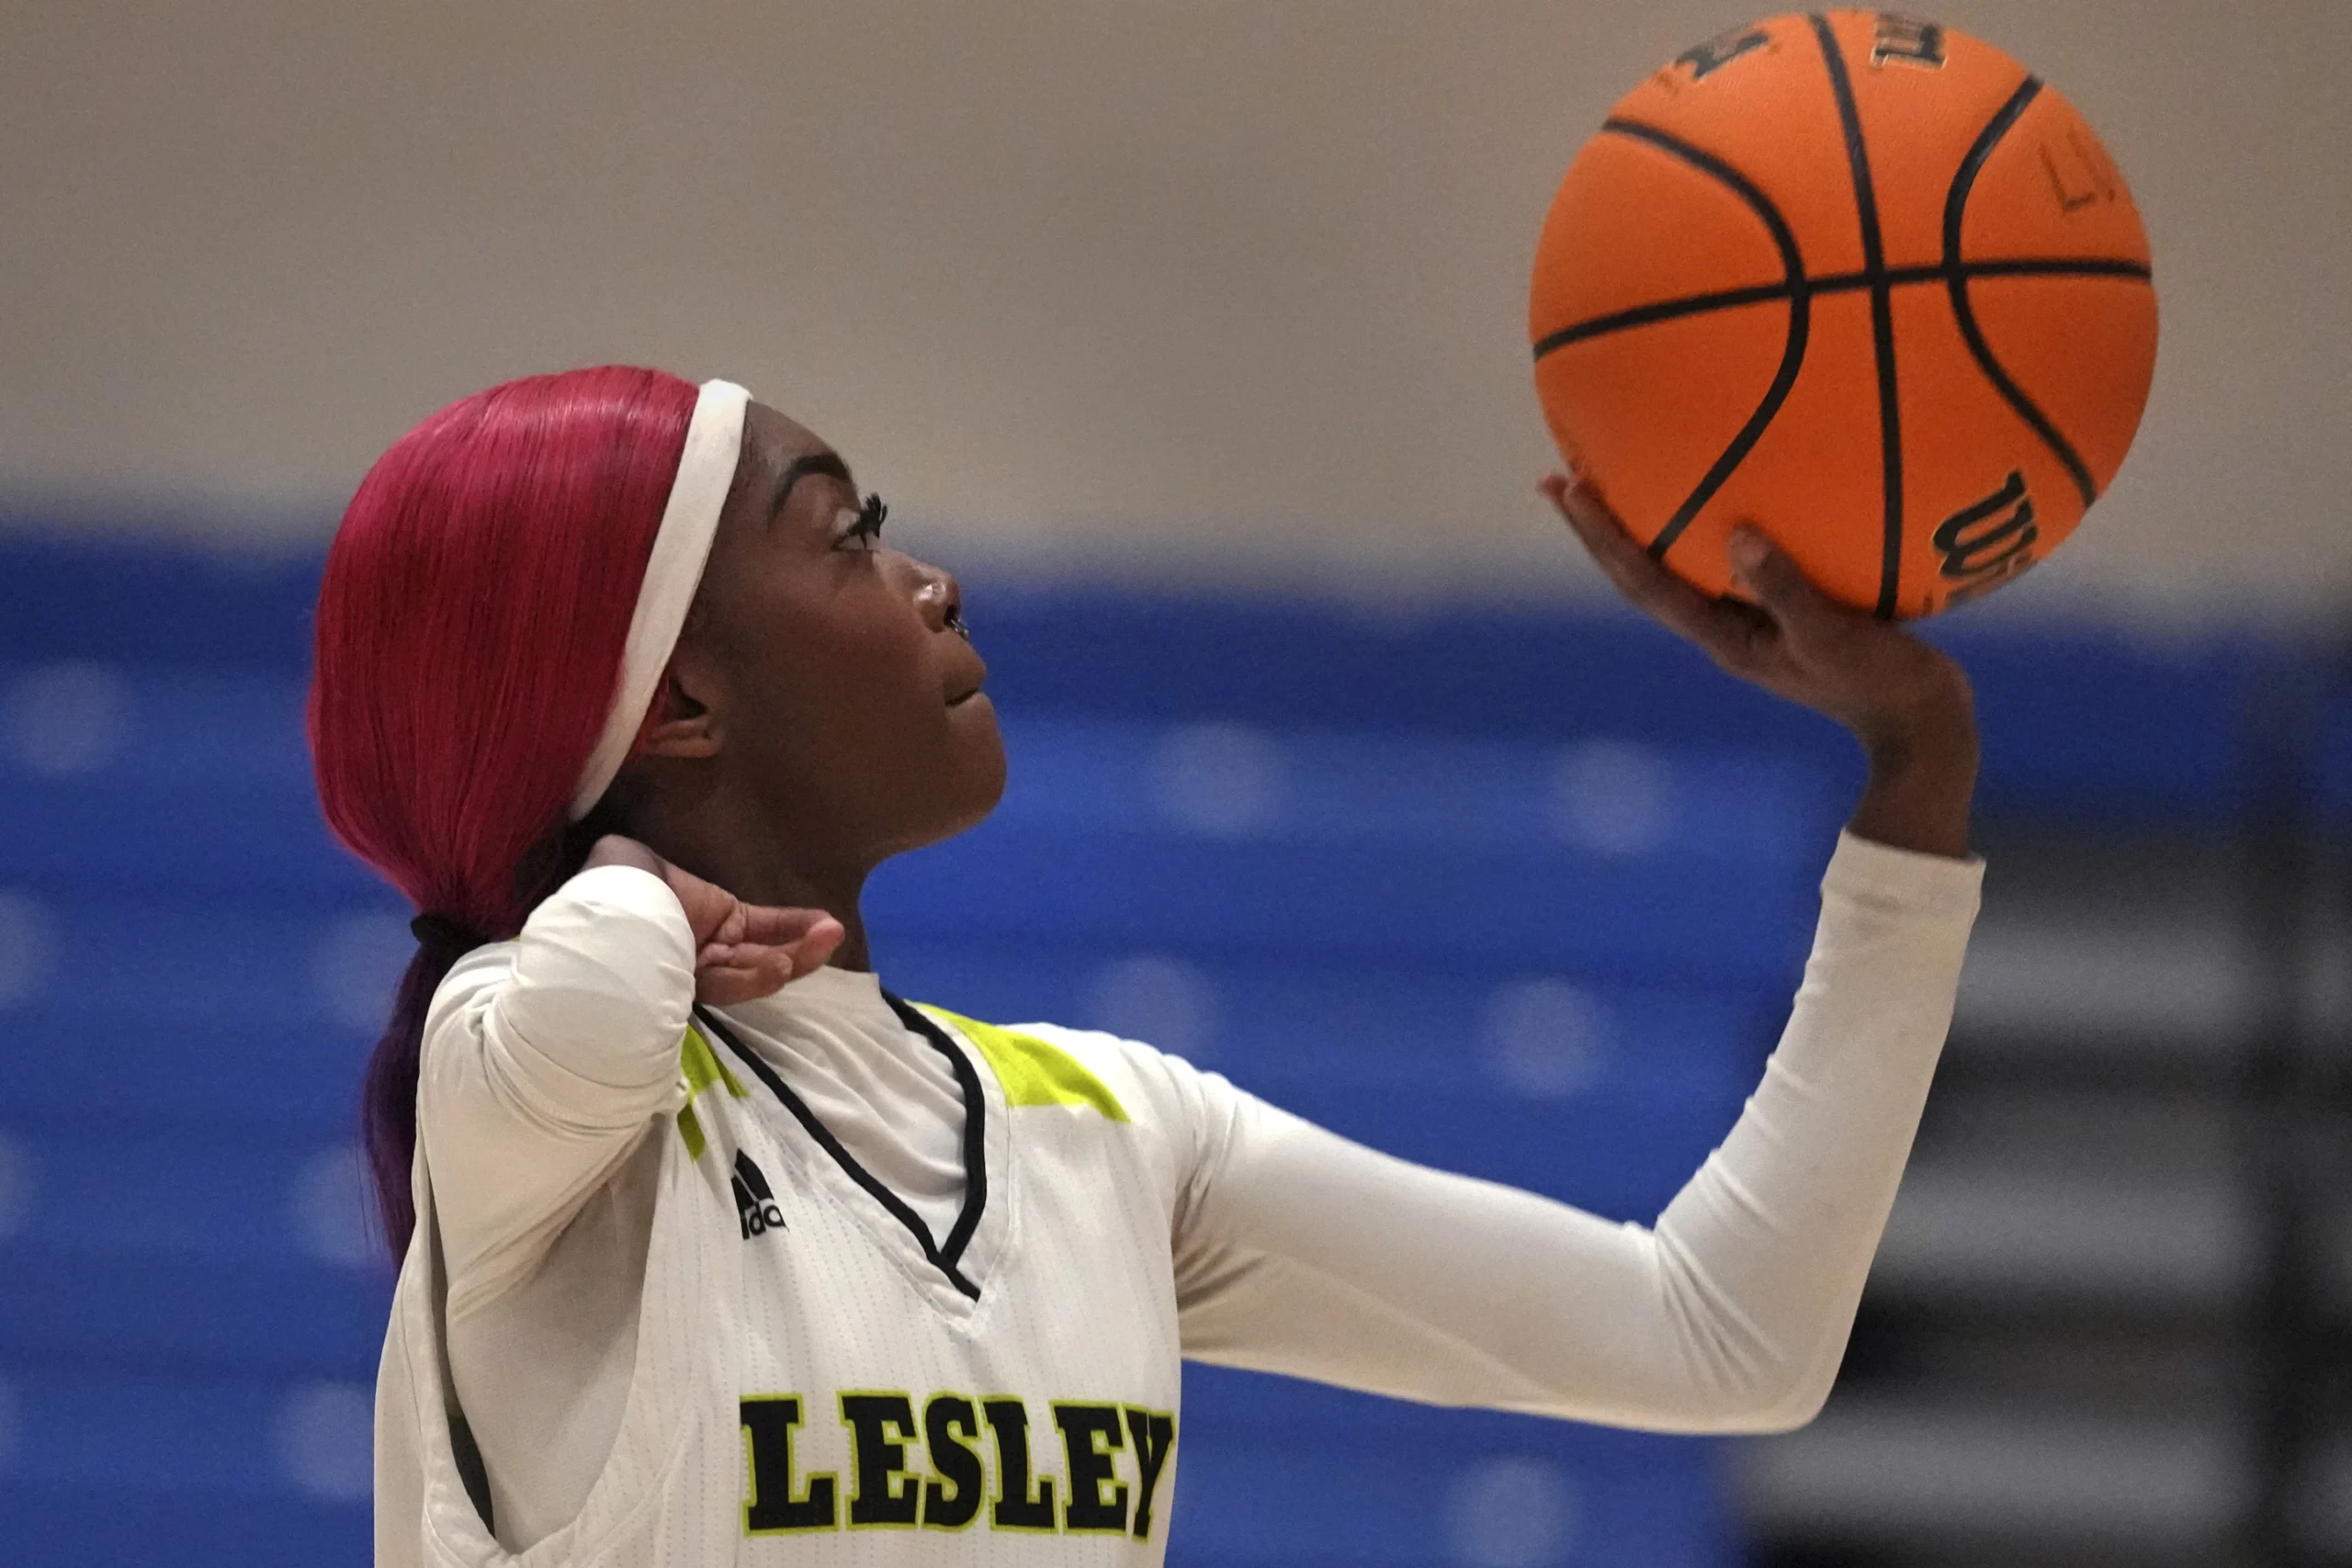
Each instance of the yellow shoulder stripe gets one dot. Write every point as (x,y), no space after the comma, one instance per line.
(1033,1072)
(701,1067)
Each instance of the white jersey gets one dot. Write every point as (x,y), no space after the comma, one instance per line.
(819,1375)
(814,1363)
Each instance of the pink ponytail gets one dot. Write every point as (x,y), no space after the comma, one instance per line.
(470,627)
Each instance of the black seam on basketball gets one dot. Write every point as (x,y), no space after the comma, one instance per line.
(1663,311)
(1890,413)
(1839,283)
(1800,299)
(2086,266)
(1963,183)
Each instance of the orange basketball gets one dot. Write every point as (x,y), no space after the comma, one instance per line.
(1861,281)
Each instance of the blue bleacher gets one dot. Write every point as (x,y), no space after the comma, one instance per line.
(188,1467)
(1276,1472)
(175,1316)
(2084,719)
(94,1524)
(1347,845)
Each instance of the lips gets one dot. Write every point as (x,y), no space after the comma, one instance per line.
(965,671)
(965,684)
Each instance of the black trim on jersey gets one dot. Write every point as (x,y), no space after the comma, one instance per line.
(976,1141)
(975,1186)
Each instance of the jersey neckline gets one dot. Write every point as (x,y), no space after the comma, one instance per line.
(946,1257)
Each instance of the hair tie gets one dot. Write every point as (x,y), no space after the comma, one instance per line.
(437,931)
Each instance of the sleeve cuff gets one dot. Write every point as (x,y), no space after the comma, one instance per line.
(629,890)
(1907,879)
(601,991)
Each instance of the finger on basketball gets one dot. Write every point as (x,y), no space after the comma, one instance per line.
(1777,581)
(1718,628)
(1627,566)
(1595,525)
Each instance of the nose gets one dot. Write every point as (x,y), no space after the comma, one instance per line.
(940,598)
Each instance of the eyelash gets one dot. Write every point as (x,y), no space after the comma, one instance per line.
(867,525)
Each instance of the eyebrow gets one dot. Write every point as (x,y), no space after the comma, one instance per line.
(826,463)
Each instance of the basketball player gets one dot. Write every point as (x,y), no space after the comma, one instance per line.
(717,1251)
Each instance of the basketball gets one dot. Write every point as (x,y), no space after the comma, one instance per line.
(1862,281)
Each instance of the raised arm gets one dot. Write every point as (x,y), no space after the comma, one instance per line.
(1303,1253)
(545,1058)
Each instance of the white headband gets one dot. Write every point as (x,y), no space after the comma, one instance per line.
(705,470)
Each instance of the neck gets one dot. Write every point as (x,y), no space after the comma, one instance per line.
(760,862)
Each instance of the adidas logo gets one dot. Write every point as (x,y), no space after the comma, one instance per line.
(755,1206)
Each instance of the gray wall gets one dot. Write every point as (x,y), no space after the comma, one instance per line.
(1198,286)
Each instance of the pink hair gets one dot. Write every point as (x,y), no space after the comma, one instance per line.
(469,645)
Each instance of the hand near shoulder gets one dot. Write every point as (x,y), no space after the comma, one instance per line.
(741,951)
(1907,702)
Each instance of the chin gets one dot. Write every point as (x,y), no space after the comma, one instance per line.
(979,759)
(972,775)
(986,786)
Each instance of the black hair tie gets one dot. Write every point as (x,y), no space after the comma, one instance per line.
(437,931)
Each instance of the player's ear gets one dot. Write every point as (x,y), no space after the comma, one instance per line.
(686,717)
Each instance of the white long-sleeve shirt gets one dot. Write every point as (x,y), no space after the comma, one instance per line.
(547,1059)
